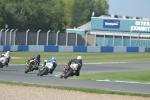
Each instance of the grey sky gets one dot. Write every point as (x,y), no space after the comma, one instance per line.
(137,8)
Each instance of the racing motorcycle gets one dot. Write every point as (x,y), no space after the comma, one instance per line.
(64,71)
(49,67)
(30,66)
(2,61)
(72,70)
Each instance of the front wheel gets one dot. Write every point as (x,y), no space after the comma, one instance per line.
(69,73)
(27,69)
(61,76)
(43,72)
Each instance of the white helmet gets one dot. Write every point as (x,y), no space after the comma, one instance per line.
(79,57)
(8,51)
(54,58)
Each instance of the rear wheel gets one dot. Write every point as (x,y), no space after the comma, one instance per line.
(1,64)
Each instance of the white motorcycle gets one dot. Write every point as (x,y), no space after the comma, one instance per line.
(3,60)
(49,67)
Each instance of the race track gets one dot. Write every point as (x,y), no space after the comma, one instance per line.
(16,73)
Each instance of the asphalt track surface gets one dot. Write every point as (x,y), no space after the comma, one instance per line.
(16,73)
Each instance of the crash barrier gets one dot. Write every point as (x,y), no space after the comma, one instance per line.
(43,48)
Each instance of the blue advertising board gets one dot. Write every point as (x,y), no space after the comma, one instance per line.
(111,23)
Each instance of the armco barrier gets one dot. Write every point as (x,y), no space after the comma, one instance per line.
(43,48)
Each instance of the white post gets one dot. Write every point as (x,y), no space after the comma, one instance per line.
(114,39)
(86,43)
(130,39)
(1,35)
(27,36)
(37,37)
(57,37)
(67,38)
(47,37)
(104,39)
(122,39)
(10,37)
(95,39)
(5,35)
(76,38)
(139,39)
(15,36)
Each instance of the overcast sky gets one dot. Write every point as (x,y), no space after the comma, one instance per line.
(134,8)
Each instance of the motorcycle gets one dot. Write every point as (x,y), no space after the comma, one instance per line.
(30,66)
(64,71)
(2,61)
(49,67)
(72,71)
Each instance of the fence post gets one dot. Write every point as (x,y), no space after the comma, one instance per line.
(76,37)
(1,35)
(47,37)
(15,36)
(86,43)
(5,35)
(37,37)
(27,36)
(57,37)
(10,37)
(67,38)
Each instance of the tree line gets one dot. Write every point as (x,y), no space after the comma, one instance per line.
(49,14)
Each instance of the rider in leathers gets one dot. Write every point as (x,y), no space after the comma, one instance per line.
(78,61)
(7,56)
(53,60)
(37,59)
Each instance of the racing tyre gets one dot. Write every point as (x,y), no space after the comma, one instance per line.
(27,69)
(1,64)
(61,76)
(69,73)
(43,71)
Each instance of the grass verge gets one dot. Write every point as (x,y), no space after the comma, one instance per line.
(132,76)
(22,57)
(98,91)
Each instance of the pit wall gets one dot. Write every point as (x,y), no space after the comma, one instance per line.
(43,48)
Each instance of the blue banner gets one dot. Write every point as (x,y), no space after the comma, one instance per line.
(111,23)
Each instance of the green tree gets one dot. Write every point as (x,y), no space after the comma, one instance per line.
(1,15)
(100,7)
(67,12)
(82,10)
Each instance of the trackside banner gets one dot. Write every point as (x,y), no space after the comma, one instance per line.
(111,24)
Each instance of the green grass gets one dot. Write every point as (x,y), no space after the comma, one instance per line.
(87,57)
(98,91)
(134,76)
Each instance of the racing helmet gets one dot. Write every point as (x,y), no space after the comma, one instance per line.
(54,58)
(79,58)
(38,55)
(8,52)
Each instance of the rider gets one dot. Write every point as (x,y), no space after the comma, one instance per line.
(53,60)
(78,61)
(37,59)
(7,56)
